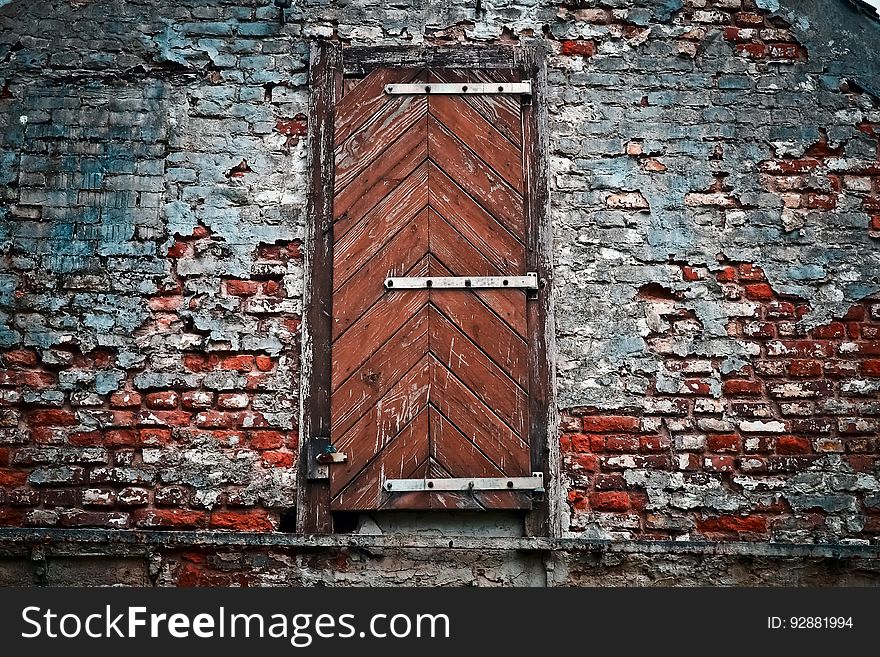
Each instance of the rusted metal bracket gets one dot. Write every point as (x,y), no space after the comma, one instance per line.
(527,282)
(534,483)
(461,88)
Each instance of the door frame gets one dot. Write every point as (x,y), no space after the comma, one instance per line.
(329,63)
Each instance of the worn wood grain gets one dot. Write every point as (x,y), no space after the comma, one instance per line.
(486,187)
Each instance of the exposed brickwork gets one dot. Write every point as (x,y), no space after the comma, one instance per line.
(786,446)
(713,174)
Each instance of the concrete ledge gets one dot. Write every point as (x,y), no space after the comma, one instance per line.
(16,542)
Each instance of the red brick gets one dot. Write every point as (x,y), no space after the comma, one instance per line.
(278,459)
(733,524)
(614,481)
(238,363)
(805,368)
(749,272)
(240,288)
(12,478)
(749,19)
(52,418)
(832,330)
(690,274)
(722,442)
(196,362)
(784,51)
(225,437)
(178,250)
(21,358)
(292,127)
(580,47)
(235,400)
(170,518)
(266,439)
(793,445)
(871,368)
(167,399)
(166,304)
(577,499)
(653,443)
(609,501)
(218,419)
(37,380)
(125,399)
(587,462)
(264,363)
(726,275)
(759,292)
(719,463)
(742,387)
(168,418)
(152,436)
(108,519)
(753,50)
(860,463)
(243,521)
(121,438)
(198,399)
(610,423)
(622,443)
(85,438)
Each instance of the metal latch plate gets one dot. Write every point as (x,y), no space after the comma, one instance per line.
(461,88)
(527,282)
(464,484)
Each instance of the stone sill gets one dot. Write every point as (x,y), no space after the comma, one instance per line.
(16,542)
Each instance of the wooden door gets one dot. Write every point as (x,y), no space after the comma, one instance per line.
(427,383)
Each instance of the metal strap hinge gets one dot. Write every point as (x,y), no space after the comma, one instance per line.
(461,88)
(527,282)
(534,483)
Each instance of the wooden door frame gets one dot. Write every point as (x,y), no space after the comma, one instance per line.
(329,64)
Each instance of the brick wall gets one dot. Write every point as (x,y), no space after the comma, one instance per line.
(714,195)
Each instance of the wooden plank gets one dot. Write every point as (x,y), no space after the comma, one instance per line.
(544,520)
(461,259)
(479,136)
(373,431)
(365,99)
(479,423)
(360,60)
(369,141)
(366,286)
(483,185)
(458,455)
(356,246)
(485,329)
(378,374)
(397,460)
(372,330)
(503,249)
(486,380)
(502,111)
(398,161)
(325,82)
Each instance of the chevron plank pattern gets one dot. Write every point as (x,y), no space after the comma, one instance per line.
(427,383)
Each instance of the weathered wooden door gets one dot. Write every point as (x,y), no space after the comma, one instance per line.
(428,382)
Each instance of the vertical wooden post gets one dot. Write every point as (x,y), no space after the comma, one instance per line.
(542,520)
(313,499)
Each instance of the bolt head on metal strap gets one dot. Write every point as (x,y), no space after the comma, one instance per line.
(527,282)
(461,88)
(458,484)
